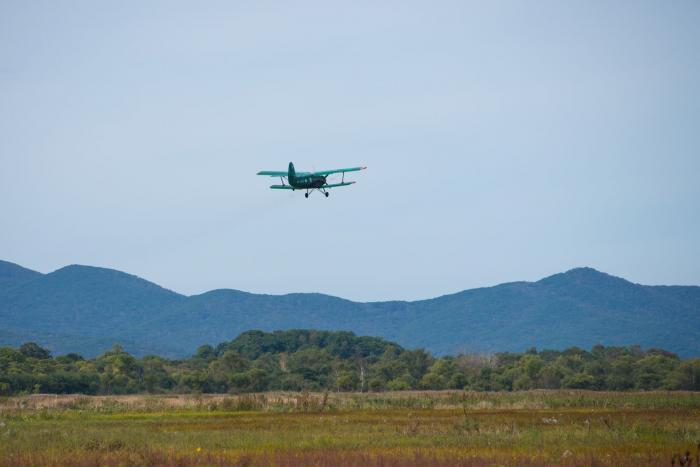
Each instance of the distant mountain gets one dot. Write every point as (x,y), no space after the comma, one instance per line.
(83,308)
(12,275)
(86,309)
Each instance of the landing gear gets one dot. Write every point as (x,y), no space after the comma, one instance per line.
(320,190)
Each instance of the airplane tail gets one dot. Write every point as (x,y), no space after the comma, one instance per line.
(292,173)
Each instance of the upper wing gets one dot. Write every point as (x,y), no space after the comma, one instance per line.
(272,173)
(329,172)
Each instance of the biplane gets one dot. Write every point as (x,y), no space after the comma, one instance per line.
(309,181)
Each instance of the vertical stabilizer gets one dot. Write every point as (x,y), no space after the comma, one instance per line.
(292,173)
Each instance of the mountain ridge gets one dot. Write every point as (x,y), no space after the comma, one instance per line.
(12,275)
(78,308)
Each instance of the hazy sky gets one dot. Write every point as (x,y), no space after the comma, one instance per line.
(505,141)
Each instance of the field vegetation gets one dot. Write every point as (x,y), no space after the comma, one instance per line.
(329,428)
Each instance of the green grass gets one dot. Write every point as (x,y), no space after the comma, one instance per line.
(428,428)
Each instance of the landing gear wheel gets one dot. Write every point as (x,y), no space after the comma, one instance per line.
(306,195)
(327,195)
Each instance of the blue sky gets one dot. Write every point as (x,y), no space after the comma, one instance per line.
(505,141)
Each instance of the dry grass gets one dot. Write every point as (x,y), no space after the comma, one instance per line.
(305,401)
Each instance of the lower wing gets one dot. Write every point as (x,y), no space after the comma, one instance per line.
(287,187)
(336,185)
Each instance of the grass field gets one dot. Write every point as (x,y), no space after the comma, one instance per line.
(388,429)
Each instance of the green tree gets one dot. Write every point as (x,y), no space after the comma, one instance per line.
(439,374)
(417,362)
(32,350)
(686,377)
(652,371)
(531,365)
(347,381)
(578,381)
(620,375)
(551,375)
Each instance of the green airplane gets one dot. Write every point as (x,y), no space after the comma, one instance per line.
(309,181)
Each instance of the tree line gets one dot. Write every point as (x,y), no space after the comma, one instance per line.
(311,360)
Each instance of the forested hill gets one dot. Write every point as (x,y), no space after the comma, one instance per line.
(339,361)
(87,309)
(12,275)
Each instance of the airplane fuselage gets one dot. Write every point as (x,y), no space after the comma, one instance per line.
(307,182)
(304,181)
